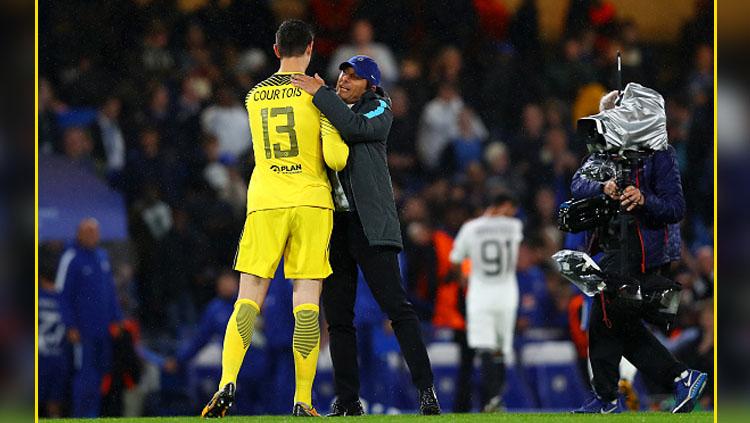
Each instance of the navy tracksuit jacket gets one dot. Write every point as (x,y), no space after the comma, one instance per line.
(84,280)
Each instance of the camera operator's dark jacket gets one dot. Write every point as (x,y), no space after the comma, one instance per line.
(658,178)
(365,179)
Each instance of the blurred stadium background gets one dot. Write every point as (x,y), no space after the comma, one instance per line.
(142,126)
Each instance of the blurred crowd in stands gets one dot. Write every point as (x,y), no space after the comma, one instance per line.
(148,95)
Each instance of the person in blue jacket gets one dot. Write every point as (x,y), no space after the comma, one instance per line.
(653,205)
(271,362)
(84,281)
(212,324)
(54,354)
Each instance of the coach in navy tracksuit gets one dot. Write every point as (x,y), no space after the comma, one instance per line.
(84,279)
(655,205)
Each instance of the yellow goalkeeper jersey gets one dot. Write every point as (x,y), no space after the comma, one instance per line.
(292,144)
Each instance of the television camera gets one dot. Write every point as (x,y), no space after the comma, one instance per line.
(618,139)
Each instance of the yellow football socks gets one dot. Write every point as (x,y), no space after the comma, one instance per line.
(237,339)
(305,347)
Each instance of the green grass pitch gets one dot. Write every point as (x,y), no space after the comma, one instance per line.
(696,417)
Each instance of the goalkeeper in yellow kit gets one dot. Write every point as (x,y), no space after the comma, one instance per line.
(289,213)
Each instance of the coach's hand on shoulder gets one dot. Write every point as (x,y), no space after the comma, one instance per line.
(308,84)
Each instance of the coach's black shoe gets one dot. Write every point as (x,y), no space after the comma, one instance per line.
(428,402)
(340,409)
(303,410)
(220,402)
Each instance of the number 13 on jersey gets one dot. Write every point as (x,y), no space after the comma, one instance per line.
(287,128)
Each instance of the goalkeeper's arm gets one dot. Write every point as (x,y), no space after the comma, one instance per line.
(335,151)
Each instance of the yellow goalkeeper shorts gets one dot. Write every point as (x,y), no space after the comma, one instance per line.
(301,234)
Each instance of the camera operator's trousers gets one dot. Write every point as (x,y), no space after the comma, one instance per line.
(615,331)
(349,248)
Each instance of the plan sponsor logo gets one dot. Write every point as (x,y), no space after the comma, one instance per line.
(287,170)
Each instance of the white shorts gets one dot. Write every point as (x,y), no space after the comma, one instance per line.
(492,330)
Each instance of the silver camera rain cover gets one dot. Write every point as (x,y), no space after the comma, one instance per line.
(639,123)
(599,168)
(581,270)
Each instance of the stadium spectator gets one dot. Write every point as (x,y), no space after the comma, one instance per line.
(110,141)
(447,69)
(402,159)
(227,120)
(636,60)
(220,174)
(84,83)
(569,72)
(439,124)
(500,175)
(195,47)
(362,37)
(412,80)
(396,24)
(78,147)
(555,309)
(84,279)
(531,284)
(525,146)
(558,164)
(54,351)
(49,108)
(194,92)
(543,218)
(159,114)
(466,147)
(148,166)
(156,58)
(524,34)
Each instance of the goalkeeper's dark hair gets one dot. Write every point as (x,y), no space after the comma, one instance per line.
(502,198)
(293,37)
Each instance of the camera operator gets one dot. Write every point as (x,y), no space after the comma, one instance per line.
(651,204)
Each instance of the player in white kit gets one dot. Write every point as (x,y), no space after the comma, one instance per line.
(491,243)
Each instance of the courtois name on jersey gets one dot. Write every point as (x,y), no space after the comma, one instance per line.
(277,94)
